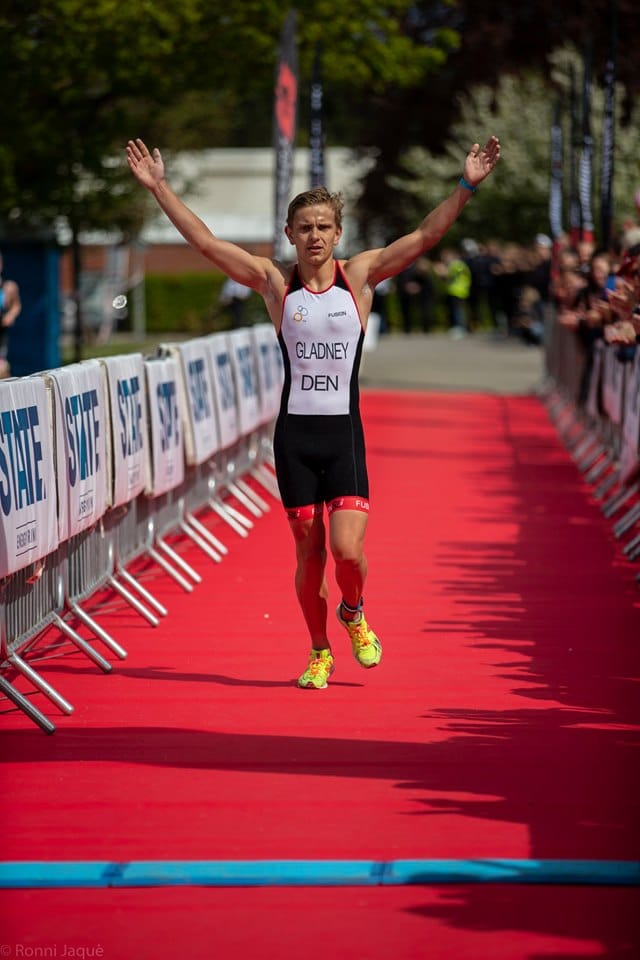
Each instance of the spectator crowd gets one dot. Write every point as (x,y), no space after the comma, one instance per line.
(510,288)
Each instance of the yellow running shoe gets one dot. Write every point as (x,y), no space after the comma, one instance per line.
(319,670)
(366,647)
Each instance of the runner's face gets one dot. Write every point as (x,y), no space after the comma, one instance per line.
(314,233)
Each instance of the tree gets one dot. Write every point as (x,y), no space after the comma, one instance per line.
(513,203)
(79,79)
(496,38)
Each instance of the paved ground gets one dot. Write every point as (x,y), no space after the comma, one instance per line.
(478,363)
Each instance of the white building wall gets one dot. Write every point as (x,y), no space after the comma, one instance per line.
(232,191)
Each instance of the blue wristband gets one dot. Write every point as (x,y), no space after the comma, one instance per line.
(466,185)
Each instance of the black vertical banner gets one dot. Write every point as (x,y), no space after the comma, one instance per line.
(586,152)
(608,134)
(316,126)
(557,173)
(575,220)
(284,127)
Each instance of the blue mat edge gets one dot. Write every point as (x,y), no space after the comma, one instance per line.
(22,874)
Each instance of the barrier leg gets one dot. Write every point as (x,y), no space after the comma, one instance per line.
(234,489)
(206,534)
(592,457)
(267,480)
(199,541)
(606,485)
(632,549)
(151,600)
(133,601)
(82,644)
(626,522)
(251,493)
(584,447)
(27,708)
(25,668)
(618,500)
(177,559)
(233,518)
(239,516)
(598,468)
(98,630)
(166,566)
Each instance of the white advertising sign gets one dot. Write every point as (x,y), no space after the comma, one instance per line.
(269,382)
(28,503)
(244,368)
(224,388)
(83,426)
(167,436)
(196,400)
(129,428)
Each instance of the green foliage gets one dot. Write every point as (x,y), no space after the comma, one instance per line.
(79,79)
(188,303)
(513,202)
(181,303)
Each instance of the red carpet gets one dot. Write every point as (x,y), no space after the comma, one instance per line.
(503,722)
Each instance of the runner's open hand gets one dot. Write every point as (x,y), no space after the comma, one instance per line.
(480,162)
(147,168)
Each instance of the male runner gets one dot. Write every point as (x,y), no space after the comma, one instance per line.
(319,307)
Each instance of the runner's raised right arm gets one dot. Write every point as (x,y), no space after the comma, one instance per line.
(259,273)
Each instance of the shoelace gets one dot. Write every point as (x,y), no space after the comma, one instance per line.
(318,664)
(359,632)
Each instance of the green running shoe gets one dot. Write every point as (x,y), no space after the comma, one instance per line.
(366,647)
(319,670)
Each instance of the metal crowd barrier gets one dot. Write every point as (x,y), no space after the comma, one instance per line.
(51,594)
(594,403)
(132,537)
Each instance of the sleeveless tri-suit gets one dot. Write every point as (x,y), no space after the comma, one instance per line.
(318,441)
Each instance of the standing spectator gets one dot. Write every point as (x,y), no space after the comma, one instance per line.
(535,293)
(379,305)
(457,278)
(10,307)
(427,294)
(416,296)
(566,285)
(509,280)
(408,291)
(539,274)
(600,280)
(482,260)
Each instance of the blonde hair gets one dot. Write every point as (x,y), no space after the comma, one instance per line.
(313,197)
